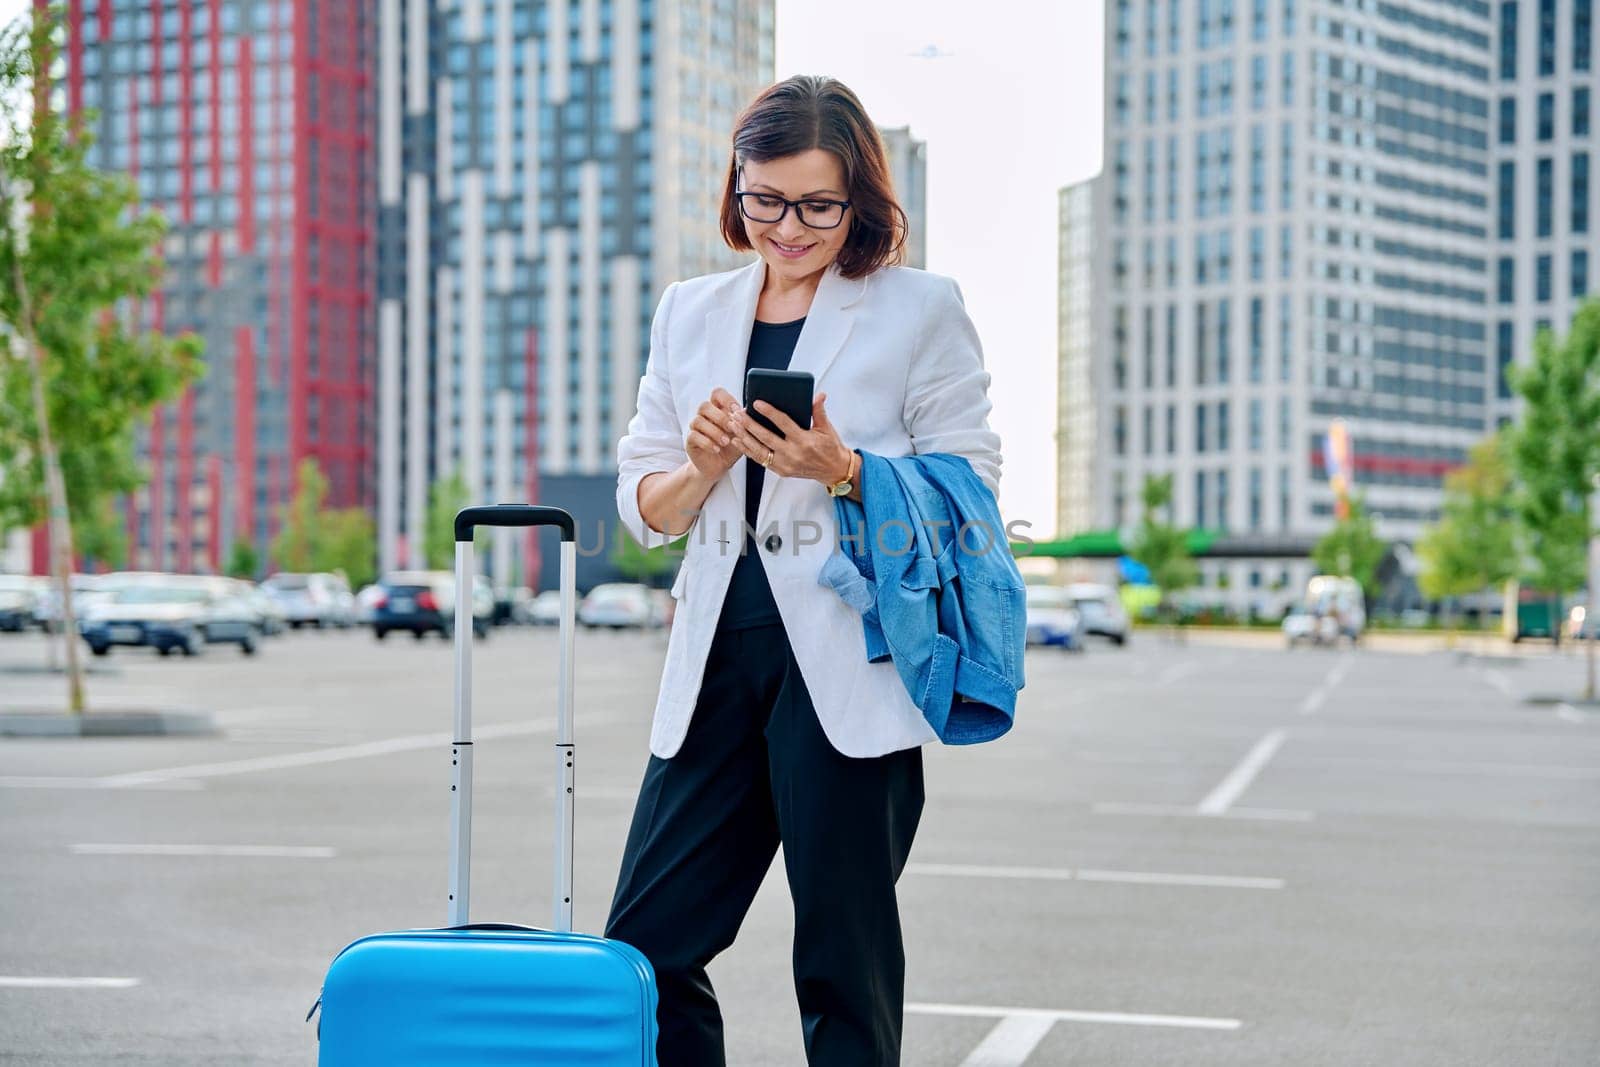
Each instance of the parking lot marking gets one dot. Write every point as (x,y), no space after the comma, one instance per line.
(1314,700)
(1120,1018)
(1238,780)
(1570,714)
(336,754)
(1064,874)
(12,981)
(1011,1042)
(1110,807)
(41,782)
(306,852)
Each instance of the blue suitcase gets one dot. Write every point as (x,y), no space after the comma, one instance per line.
(471,994)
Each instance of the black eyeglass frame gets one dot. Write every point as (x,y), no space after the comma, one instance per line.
(843,206)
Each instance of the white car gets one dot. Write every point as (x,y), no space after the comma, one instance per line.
(1101,609)
(1052,618)
(545,608)
(320,600)
(619,605)
(19,596)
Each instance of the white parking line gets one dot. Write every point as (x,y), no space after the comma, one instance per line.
(307,852)
(1120,1018)
(1319,696)
(19,781)
(1238,780)
(11,981)
(1314,700)
(1570,714)
(1110,807)
(1011,1042)
(1063,874)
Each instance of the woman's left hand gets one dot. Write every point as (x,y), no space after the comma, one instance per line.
(816,453)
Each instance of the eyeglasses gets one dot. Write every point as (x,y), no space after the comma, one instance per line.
(813,213)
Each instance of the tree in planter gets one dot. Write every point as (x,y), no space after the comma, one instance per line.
(300,526)
(1162,547)
(243,560)
(447,496)
(1352,549)
(1473,545)
(348,544)
(76,379)
(1555,455)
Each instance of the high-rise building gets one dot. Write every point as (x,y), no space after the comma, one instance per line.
(908,170)
(247,124)
(545,170)
(1308,213)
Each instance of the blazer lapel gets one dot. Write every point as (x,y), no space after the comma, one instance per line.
(728,327)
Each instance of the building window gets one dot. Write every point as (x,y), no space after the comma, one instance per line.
(1119,430)
(1202,255)
(1255,512)
(1174,27)
(1225,255)
(1508,119)
(1283,424)
(1149,347)
(1202,341)
(1545,180)
(1172,262)
(1285,253)
(1222,500)
(1580,272)
(1172,429)
(1258,20)
(1508,40)
(1580,111)
(1224,340)
(1506,199)
(1258,83)
(1542,279)
(1200,499)
(1288,18)
(1547,116)
(1285,357)
(1503,359)
(1258,169)
(1288,79)
(1200,427)
(1255,424)
(1580,192)
(1224,441)
(1283,498)
(1258,253)
(1582,30)
(1119,347)
(1152,97)
(1172,95)
(1547,38)
(1172,346)
(1257,344)
(1286,167)
(1148,443)
(1507,279)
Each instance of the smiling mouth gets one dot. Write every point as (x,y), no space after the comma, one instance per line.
(793,250)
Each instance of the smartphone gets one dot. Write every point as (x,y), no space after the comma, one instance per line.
(787,390)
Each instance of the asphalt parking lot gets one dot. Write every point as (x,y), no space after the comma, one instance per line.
(1183,854)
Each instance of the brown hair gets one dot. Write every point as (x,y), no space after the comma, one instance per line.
(812,111)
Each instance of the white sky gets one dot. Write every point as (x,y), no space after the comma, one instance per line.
(1010,115)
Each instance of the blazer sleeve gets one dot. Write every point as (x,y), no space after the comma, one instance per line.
(947,389)
(654,440)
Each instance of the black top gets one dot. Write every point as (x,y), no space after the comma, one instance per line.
(749,601)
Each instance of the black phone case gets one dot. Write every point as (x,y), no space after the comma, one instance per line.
(787,390)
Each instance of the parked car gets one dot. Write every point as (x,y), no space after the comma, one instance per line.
(1052,617)
(619,605)
(148,614)
(424,602)
(269,612)
(87,590)
(19,596)
(545,608)
(366,600)
(321,600)
(1101,609)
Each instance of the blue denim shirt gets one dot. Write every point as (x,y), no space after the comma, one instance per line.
(927,562)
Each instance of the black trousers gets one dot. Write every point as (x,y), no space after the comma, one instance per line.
(754,770)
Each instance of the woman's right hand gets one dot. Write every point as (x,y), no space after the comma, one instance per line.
(709,443)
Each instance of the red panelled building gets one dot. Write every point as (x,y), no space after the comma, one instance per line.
(248,124)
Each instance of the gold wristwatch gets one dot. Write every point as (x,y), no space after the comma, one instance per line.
(843,486)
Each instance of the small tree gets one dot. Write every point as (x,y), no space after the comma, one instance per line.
(301,522)
(1555,453)
(1473,545)
(348,543)
(243,560)
(446,497)
(637,563)
(1162,547)
(75,379)
(1352,549)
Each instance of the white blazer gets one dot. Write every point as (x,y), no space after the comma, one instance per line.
(903,370)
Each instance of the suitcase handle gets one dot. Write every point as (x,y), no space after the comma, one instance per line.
(510,515)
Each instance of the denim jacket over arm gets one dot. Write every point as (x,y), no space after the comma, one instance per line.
(926,561)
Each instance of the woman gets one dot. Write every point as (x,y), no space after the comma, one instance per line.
(771,726)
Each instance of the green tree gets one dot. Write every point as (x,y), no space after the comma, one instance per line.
(243,560)
(637,563)
(1473,545)
(446,496)
(1352,549)
(1162,547)
(76,378)
(1555,451)
(301,521)
(348,543)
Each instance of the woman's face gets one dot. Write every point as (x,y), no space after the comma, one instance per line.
(793,250)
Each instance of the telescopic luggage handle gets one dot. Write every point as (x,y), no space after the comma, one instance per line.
(510,515)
